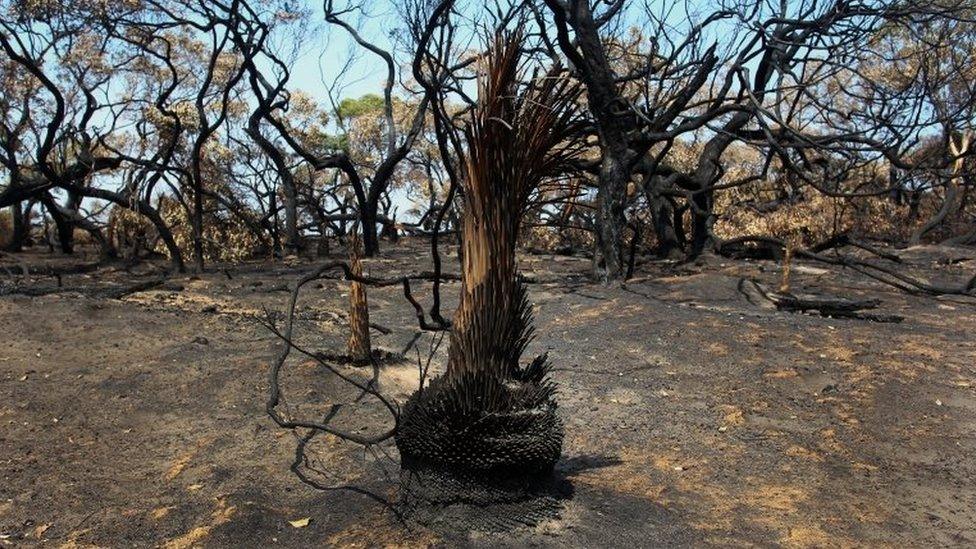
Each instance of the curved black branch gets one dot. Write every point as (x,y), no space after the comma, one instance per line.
(286,335)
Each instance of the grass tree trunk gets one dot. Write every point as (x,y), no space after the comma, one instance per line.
(489,416)
(358,345)
(486,313)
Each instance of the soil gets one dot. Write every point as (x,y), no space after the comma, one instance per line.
(692,417)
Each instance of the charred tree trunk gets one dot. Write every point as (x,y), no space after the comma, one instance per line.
(390,231)
(63,227)
(663,217)
(289,189)
(26,217)
(619,125)
(701,223)
(70,213)
(679,224)
(958,148)
(19,228)
(175,254)
(371,241)
(948,206)
(275,224)
(293,243)
(615,121)
(663,213)
(610,220)
(196,224)
(707,174)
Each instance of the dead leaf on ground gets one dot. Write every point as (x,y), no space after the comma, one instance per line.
(300,523)
(39,531)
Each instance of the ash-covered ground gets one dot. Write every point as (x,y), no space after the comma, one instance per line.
(692,417)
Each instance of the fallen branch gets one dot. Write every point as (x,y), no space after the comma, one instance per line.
(117,292)
(839,307)
(47,270)
(877,272)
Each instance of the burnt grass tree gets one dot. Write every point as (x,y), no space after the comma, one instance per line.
(489,418)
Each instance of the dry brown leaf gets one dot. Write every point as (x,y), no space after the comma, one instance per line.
(39,531)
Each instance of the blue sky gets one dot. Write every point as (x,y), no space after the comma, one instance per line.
(327,49)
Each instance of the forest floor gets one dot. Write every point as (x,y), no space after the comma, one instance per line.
(692,416)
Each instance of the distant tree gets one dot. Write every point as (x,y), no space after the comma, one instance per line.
(740,71)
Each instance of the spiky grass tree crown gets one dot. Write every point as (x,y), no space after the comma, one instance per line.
(519,135)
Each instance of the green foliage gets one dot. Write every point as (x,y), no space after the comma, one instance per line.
(367,104)
(323,141)
(335,142)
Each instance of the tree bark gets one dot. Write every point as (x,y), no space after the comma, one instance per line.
(701,222)
(614,122)
(359,348)
(293,242)
(63,226)
(610,220)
